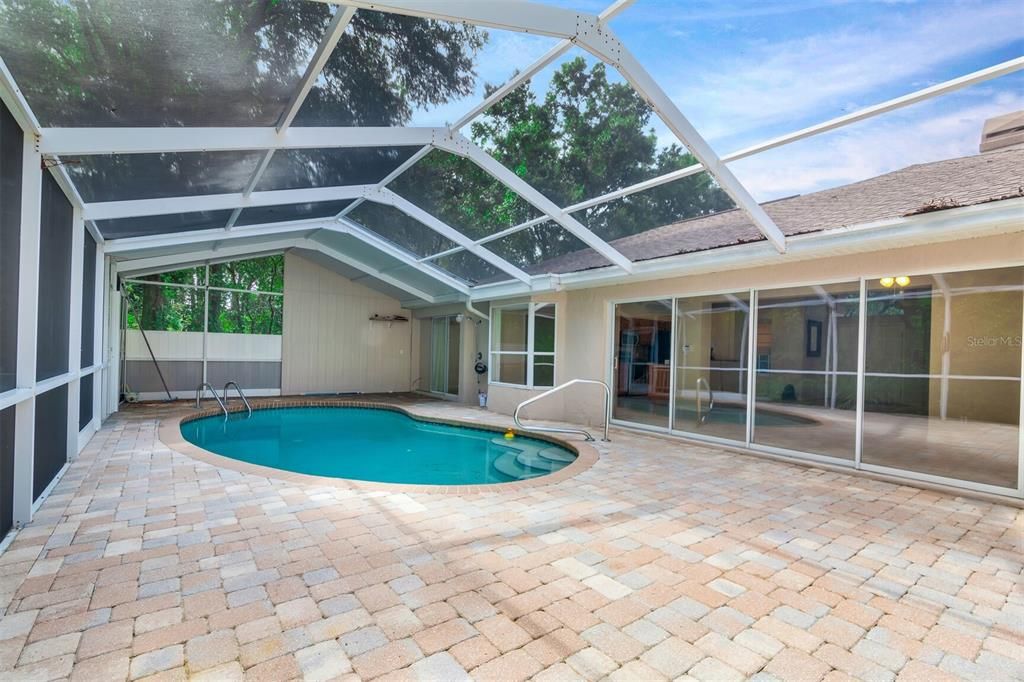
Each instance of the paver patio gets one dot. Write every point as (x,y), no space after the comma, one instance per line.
(663,560)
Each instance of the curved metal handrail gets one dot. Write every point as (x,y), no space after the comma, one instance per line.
(701,415)
(199,397)
(240,395)
(554,429)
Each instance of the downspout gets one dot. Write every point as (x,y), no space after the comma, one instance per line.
(473,311)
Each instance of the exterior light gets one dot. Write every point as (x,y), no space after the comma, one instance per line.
(902,280)
(887,282)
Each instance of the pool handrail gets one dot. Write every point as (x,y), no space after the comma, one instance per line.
(240,395)
(559,429)
(199,397)
(701,416)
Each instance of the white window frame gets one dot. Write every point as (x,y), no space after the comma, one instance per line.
(530,354)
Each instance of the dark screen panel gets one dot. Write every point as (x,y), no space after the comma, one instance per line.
(51,446)
(6,470)
(54,326)
(85,401)
(10,237)
(88,299)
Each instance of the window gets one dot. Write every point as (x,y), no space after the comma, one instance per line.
(523,345)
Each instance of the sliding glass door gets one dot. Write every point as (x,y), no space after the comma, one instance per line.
(711,365)
(642,370)
(919,375)
(445,347)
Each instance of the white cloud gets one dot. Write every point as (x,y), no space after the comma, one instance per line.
(823,74)
(920,134)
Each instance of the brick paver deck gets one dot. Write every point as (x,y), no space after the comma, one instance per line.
(664,560)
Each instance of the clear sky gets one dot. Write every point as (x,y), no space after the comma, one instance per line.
(744,71)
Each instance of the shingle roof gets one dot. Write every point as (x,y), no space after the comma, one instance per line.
(924,187)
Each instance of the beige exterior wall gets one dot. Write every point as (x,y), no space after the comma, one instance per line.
(586,352)
(329,344)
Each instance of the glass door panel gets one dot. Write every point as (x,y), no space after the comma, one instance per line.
(454,348)
(942,374)
(806,379)
(711,365)
(642,370)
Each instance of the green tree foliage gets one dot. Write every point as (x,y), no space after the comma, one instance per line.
(587,136)
(181,308)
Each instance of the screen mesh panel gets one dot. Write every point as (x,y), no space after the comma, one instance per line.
(387,67)
(51,438)
(690,197)
(398,228)
(88,300)
(251,274)
(286,212)
(54,323)
(124,177)
(6,470)
(469,268)
(456,191)
(534,248)
(85,386)
(192,62)
(121,228)
(11,148)
(331,167)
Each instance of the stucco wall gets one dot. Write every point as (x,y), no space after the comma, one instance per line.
(330,345)
(586,351)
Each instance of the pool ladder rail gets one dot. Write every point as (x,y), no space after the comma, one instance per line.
(702,416)
(559,429)
(222,402)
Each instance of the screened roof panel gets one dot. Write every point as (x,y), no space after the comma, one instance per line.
(577,130)
(689,197)
(469,268)
(378,260)
(186,63)
(299,168)
(121,228)
(286,212)
(124,177)
(457,192)
(395,70)
(531,248)
(398,228)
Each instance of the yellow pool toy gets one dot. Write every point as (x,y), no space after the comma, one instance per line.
(510,434)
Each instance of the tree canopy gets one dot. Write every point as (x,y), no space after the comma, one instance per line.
(587,136)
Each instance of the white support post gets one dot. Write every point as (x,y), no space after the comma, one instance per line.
(98,337)
(28,320)
(457,144)
(386,196)
(77,238)
(92,141)
(112,339)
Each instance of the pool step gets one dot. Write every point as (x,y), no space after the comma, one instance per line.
(507,464)
(556,454)
(537,461)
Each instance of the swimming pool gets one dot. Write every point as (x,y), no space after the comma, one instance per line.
(369,444)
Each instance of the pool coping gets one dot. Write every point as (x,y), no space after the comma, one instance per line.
(169,432)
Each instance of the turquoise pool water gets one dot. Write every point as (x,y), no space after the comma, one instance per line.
(374,445)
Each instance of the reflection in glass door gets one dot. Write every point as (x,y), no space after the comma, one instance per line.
(444,355)
(711,365)
(642,371)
